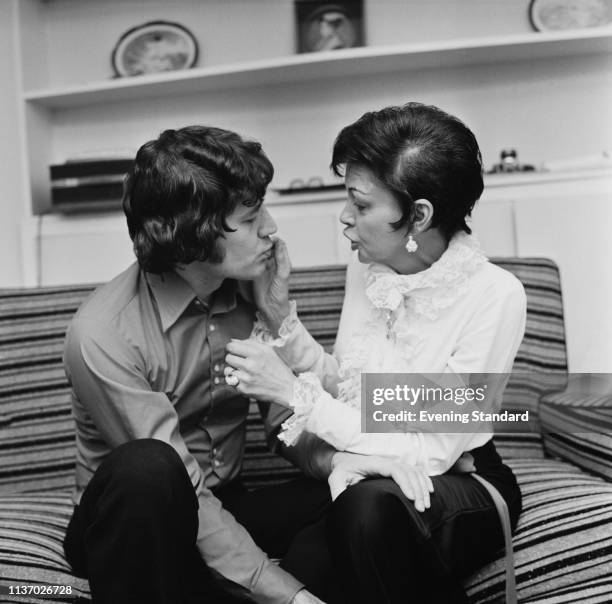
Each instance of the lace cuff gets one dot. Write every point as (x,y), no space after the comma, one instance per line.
(261,332)
(306,392)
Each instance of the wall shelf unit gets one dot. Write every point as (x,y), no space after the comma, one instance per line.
(335,64)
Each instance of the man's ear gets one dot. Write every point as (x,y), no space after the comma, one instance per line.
(423,213)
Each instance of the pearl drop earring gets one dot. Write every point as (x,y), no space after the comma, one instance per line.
(411,246)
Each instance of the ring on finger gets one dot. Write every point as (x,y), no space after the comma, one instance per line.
(232,380)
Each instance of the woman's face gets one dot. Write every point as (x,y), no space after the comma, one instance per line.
(367,215)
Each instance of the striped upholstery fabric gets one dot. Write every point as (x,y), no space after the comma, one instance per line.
(36,428)
(564,547)
(32,528)
(563,543)
(541,361)
(579,429)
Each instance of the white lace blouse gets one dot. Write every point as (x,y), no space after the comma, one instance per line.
(462,315)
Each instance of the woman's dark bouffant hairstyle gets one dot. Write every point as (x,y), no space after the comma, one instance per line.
(182,188)
(418,152)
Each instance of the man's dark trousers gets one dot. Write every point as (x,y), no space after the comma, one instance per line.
(133,535)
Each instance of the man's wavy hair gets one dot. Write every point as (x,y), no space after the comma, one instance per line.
(182,188)
(418,152)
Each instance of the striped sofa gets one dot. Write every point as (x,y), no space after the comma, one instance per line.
(563,545)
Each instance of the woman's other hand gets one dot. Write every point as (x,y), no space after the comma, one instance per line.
(305,597)
(256,371)
(271,289)
(349,469)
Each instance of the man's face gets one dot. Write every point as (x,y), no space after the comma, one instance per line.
(248,248)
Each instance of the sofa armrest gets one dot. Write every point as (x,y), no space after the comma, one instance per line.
(577,427)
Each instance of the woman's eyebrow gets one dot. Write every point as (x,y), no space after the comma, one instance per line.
(356,190)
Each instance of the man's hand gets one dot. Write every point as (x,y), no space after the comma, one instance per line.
(305,597)
(349,469)
(260,373)
(271,289)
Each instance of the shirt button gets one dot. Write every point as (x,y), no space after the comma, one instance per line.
(216,380)
(216,463)
(217,368)
(214,451)
(212,328)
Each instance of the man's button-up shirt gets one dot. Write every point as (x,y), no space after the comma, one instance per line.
(145,359)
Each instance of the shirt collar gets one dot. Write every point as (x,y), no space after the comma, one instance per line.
(173,296)
(437,286)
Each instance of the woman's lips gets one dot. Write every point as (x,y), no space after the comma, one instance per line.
(354,244)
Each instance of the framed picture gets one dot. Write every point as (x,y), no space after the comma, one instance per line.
(325,25)
(154,47)
(558,15)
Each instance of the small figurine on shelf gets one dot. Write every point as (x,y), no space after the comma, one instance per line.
(510,163)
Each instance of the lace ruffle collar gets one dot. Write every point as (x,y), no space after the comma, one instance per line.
(431,290)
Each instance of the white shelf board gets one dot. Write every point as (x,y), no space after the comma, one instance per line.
(60,224)
(544,177)
(330,64)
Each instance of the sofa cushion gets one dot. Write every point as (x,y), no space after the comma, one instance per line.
(32,529)
(578,428)
(36,427)
(36,432)
(563,545)
(540,365)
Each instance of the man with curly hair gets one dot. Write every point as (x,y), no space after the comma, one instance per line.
(160,514)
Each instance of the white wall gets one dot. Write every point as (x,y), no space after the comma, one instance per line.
(402,21)
(11,191)
(238,30)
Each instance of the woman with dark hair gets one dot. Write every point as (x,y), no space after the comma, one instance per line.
(422,298)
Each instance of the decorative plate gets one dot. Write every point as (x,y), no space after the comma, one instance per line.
(154,47)
(558,15)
